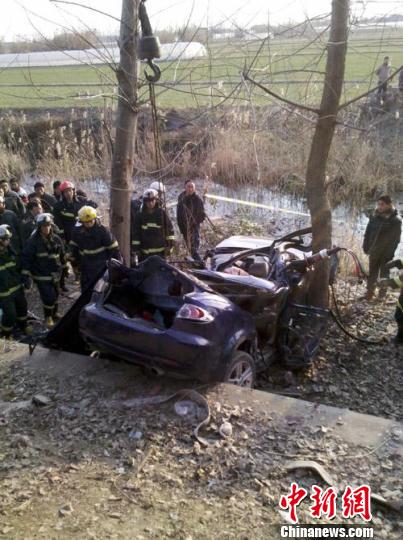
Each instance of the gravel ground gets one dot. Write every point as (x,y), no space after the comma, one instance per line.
(81,465)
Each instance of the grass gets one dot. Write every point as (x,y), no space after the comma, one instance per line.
(207,81)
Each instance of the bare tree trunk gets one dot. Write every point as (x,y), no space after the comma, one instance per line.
(318,201)
(126,126)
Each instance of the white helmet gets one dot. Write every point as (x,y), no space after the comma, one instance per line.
(5,232)
(150,194)
(44,219)
(158,186)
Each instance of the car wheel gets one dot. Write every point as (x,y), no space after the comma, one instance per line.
(241,370)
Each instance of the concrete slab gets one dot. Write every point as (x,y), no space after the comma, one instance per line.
(350,427)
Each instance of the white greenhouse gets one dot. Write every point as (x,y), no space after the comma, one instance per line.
(179,50)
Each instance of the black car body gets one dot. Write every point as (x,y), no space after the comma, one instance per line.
(224,322)
(166,320)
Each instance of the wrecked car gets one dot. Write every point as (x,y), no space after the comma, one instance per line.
(227,321)
(270,279)
(166,320)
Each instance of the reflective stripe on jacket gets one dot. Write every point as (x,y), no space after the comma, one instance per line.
(10,276)
(91,248)
(66,213)
(43,258)
(153,231)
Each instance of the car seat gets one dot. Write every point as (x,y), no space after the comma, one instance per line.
(259,269)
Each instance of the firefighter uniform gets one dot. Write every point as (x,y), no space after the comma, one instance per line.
(65,214)
(43,260)
(12,297)
(153,233)
(90,249)
(66,210)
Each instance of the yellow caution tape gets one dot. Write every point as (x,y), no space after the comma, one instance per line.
(255,205)
(245,203)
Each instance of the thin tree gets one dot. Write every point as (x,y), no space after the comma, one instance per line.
(126,127)
(318,201)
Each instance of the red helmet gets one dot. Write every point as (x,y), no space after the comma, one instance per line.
(66,185)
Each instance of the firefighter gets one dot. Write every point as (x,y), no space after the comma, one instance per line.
(153,232)
(396,283)
(137,202)
(91,246)
(66,210)
(43,261)
(8,217)
(190,215)
(12,297)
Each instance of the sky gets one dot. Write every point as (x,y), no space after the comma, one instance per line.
(30,17)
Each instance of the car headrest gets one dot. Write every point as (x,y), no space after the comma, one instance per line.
(259,269)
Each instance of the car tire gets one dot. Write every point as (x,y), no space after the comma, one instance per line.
(241,370)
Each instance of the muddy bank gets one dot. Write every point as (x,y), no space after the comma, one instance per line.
(236,146)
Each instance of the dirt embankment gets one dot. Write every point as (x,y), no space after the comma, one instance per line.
(234,145)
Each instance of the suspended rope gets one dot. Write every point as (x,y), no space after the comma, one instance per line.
(148,50)
(156,129)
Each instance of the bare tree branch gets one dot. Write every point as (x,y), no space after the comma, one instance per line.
(277,96)
(86,7)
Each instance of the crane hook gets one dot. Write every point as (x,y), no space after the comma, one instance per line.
(156,70)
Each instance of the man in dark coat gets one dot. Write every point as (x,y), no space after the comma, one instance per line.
(28,226)
(57,194)
(43,261)
(48,201)
(8,217)
(190,215)
(153,233)
(20,191)
(382,236)
(91,246)
(12,200)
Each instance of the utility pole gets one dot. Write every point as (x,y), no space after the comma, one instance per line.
(126,127)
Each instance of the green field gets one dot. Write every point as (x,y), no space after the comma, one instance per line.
(281,64)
